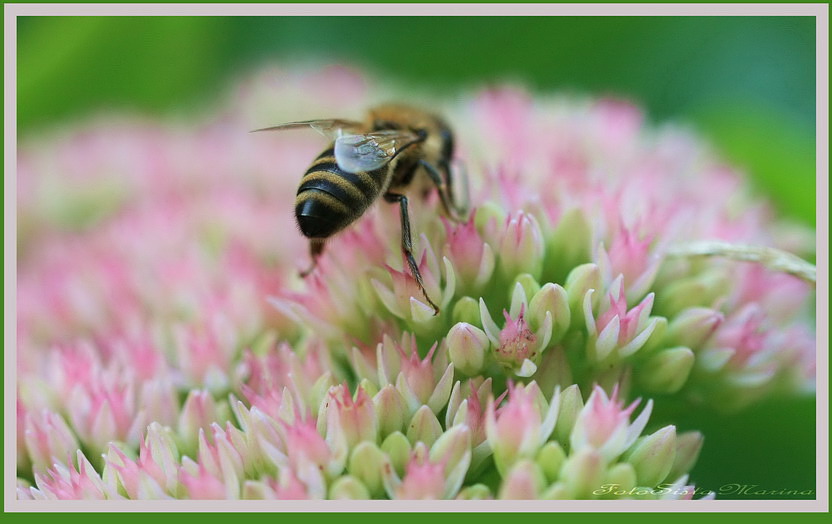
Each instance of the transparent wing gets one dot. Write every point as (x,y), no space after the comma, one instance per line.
(330,128)
(371,151)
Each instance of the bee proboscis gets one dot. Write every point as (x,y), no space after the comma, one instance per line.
(380,157)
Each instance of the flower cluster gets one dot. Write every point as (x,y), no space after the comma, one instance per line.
(168,349)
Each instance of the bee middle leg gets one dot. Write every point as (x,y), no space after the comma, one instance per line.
(407,244)
(316,249)
(454,209)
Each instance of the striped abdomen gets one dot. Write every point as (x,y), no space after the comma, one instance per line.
(329,199)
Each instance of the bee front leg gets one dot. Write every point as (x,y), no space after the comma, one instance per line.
(316,249)
(454,209)
(407,244)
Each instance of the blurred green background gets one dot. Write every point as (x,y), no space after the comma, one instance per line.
(747,83)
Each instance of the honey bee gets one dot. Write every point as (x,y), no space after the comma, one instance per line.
(380,157)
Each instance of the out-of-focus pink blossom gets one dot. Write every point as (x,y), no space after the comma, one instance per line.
(162,322)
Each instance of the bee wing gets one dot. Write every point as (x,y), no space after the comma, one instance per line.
(331,128)
(370,151)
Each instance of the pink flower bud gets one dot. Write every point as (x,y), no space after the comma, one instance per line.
(303,442)
(198,413)
(426,381)
(521,246)
(523,482)
(472,258)
(520,428)
(604,424)
(202,485)
(692,327)
(617,331)
(353,418)
(48,439)
(630,257)
(68,483)
(102,412)
(423,480)
(407,301)
(136,477)
(290,487)
(515,346)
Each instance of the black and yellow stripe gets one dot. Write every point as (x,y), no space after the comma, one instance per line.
(329,199)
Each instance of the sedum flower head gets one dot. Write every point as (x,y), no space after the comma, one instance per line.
(168,349)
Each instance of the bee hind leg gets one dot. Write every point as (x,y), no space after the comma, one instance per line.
(456,210)
(407,244)
(316,249)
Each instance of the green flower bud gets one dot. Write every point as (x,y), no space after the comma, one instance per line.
(712,360)
(475,492)
(451,446)
(554,370)
(571,404)
(666,371)
(398,449)
(657,339)
(488,212)
(579,281)
(652,456)
(551,299)
(521,246)
(424,427)
(366,464)
(199,410)
(622,476)
(582,473)
(693,326)
(348,488)
(255,490)
(569,245)
(557,491)
(550,458)
(391,410)
(698,290)
(688,446)
(369,387)
(466,310)
(527,282)
(362,366)
(467,346)
(264,342)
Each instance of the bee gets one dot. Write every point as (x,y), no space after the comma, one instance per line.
(380,157)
